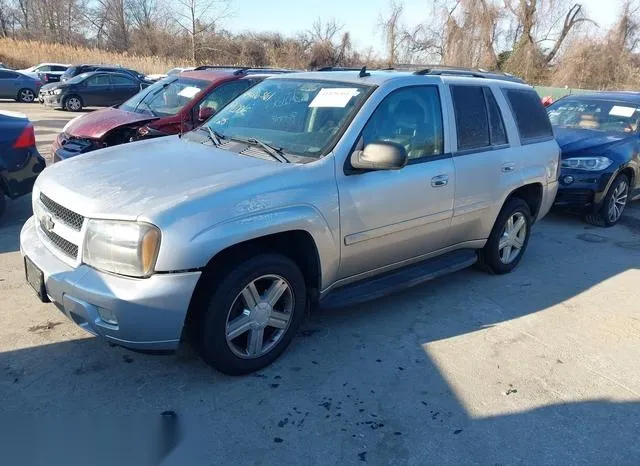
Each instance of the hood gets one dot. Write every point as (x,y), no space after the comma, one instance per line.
(50,86)
(96,124)
(572,140)
(148,177)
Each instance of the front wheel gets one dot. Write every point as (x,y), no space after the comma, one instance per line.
(252,314)
(509,238)
(26,95)
(73,104)
(613,204)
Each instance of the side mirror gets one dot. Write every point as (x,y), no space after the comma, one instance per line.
(380,155)
(205,113)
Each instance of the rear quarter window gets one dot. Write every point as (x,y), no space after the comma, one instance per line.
(529,113)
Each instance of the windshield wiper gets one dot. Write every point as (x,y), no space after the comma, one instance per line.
(275,152)
(215,137)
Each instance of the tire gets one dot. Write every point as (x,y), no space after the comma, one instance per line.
(613,204)
(73,103)
(493,257)
(26,96)
(228,331)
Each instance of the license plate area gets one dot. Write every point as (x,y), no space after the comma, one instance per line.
(35,278)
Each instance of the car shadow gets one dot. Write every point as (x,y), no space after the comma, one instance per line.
(358,384)
(17,212)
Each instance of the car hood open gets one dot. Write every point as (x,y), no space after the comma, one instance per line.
(147,177)
(572,140)
(96,124)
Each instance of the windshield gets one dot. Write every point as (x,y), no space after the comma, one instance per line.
(300,116)
(598,115)
(166,97)
(78,78)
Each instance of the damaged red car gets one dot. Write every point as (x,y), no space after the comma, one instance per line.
(175,104)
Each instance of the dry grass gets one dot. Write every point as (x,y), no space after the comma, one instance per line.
(22,54)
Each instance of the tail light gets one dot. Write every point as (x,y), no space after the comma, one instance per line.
(26,139)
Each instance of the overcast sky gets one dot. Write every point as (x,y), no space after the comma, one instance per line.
(360,17)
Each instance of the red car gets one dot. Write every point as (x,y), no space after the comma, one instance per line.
(175,104)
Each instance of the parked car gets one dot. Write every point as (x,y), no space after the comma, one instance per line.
(310,189)
(176,104)
(599,137)
(171,72)
(93,89)
(50,70)
(18,86)
(75,70)
(20,162)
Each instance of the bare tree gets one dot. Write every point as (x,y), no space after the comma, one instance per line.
(199,17)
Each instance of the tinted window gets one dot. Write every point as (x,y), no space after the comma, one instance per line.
(595,114)
(529,113)
(58,68)
(472,123)
(411,117)
(71,71)
(224,94)
(496,124)
(8,75)
(99,80)
(43,68)
(122,80)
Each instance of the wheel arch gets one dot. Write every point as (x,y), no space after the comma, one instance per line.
(532,194)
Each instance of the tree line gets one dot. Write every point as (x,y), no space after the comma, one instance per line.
(544,41)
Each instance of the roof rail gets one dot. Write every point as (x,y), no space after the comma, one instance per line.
(241,69)
(475,73)
(338,68)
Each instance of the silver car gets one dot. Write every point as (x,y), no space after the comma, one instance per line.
(310,189)
(18,86)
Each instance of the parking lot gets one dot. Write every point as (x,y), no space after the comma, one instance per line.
(535,367)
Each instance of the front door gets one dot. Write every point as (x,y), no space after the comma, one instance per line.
(123,87)
(392,217)
(96,91)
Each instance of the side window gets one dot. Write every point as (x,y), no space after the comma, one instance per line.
(496,123)
(8,75)
(224,94)
(58,68)
(472,122)
(42,69)
(412,117)
(120,80)
(99,80)
(531,117)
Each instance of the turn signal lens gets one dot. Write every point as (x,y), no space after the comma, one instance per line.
(26,139)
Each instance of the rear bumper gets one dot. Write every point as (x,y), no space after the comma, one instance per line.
(150,312)
(548,197)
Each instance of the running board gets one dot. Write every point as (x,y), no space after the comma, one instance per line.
(399,280)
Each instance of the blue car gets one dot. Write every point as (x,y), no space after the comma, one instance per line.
(599,134)
(20,162)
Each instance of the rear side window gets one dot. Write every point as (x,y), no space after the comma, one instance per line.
(122,80)
(8,75)
(58,68)
(472,121)
(496,123)
(531,118)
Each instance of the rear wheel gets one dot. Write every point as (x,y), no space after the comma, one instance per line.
(509,238)
(26,95)
(72,103)
(613,204)
(252,314)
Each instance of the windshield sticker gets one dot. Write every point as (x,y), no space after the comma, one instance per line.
(620,111)
(189,92)
(334,97)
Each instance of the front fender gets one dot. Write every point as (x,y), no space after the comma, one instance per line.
(195,252)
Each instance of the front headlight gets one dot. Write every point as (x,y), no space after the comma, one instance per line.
(125,248)
(57,91)
(587,163)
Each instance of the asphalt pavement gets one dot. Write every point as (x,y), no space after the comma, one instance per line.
(535,367)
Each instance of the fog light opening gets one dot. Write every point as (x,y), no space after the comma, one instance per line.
(568,179)
(107,316)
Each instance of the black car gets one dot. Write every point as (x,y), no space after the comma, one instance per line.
(94,89)
(75,70)
(20,162)
(599,134)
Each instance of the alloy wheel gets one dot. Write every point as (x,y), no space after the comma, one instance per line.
(74,103)
(513,238)
(27,95)
(618,201)
(259,316)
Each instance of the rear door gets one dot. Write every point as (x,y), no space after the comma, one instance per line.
(9,84)
(123,87)
(484,161)
(96,91)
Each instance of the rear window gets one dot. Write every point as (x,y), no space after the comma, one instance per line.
(530,115)
(70,71)
(472,122)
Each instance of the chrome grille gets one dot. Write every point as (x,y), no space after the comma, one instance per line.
(66,247)
(62,213)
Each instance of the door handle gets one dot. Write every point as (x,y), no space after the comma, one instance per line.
(508,167)
(439,181)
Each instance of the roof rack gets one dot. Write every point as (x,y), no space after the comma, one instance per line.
(242,69)
(438,70)
(338,68)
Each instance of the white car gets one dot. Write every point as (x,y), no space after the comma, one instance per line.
(171,72)
(54,68)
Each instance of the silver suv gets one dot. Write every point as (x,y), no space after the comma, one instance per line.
(311,189)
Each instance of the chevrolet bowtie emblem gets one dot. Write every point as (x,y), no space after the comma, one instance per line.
(48,223)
